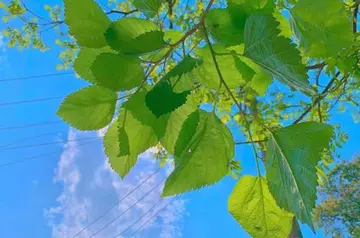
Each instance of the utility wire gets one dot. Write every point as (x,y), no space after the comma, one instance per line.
(29,125)
(128,209)
(35,77)
(48,143)
(147,221)
(136,221)
(29,101)
(31,138)
(37,156)
(117,203)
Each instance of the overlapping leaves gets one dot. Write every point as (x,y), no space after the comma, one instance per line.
(250,50)
(205,154)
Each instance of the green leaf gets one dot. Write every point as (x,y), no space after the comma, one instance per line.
(170,37)
(182,75)
(292,155)
(284,25)
(274,53)
(322,35)
(140,137)
(186,65)
(137,106)
(132,36)
(90,108)
(175,123)
(162,99)
(246,72)
(87,22)
(206,158)
(254,208)
(147,42)
(117,72)
(206,73)
(85,59)
(253,6)
(220,26)
(187,132)
(261,80)
(148,7)
(241,10)
(124,146)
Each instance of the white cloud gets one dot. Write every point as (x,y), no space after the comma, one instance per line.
(90,187)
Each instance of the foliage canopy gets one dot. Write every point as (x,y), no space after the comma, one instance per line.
(189,71)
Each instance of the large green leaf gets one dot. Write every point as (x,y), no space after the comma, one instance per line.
(87,22)
(207,74)
(170,37)
(255,209)
(171,92)
(162,99)
(148,7)
(132,36)
(90,108)
(233,73)
(140,138)
(241,10)
(84,61)
(205,160)
(117,72)
(137,106)
(275,53)
(322,35)
(175,123)
(292,155)
(219,24)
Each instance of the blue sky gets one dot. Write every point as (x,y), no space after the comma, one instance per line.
(55,195)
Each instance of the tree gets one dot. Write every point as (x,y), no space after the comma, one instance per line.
(170,57)
(339,209)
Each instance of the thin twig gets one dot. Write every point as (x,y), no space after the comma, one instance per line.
(250,142)
(321,96)
(317,83)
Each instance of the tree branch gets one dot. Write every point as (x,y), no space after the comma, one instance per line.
(317,83)
(355,16)
(316,66)
(321,96)
(107,13)
(171,3)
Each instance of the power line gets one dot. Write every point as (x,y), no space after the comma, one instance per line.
(29,125)
(48,143)
(31,138)
(37,156)
(147,221)
(117,203)
(29,101)
(35,77)
(155,215)
(128,209)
